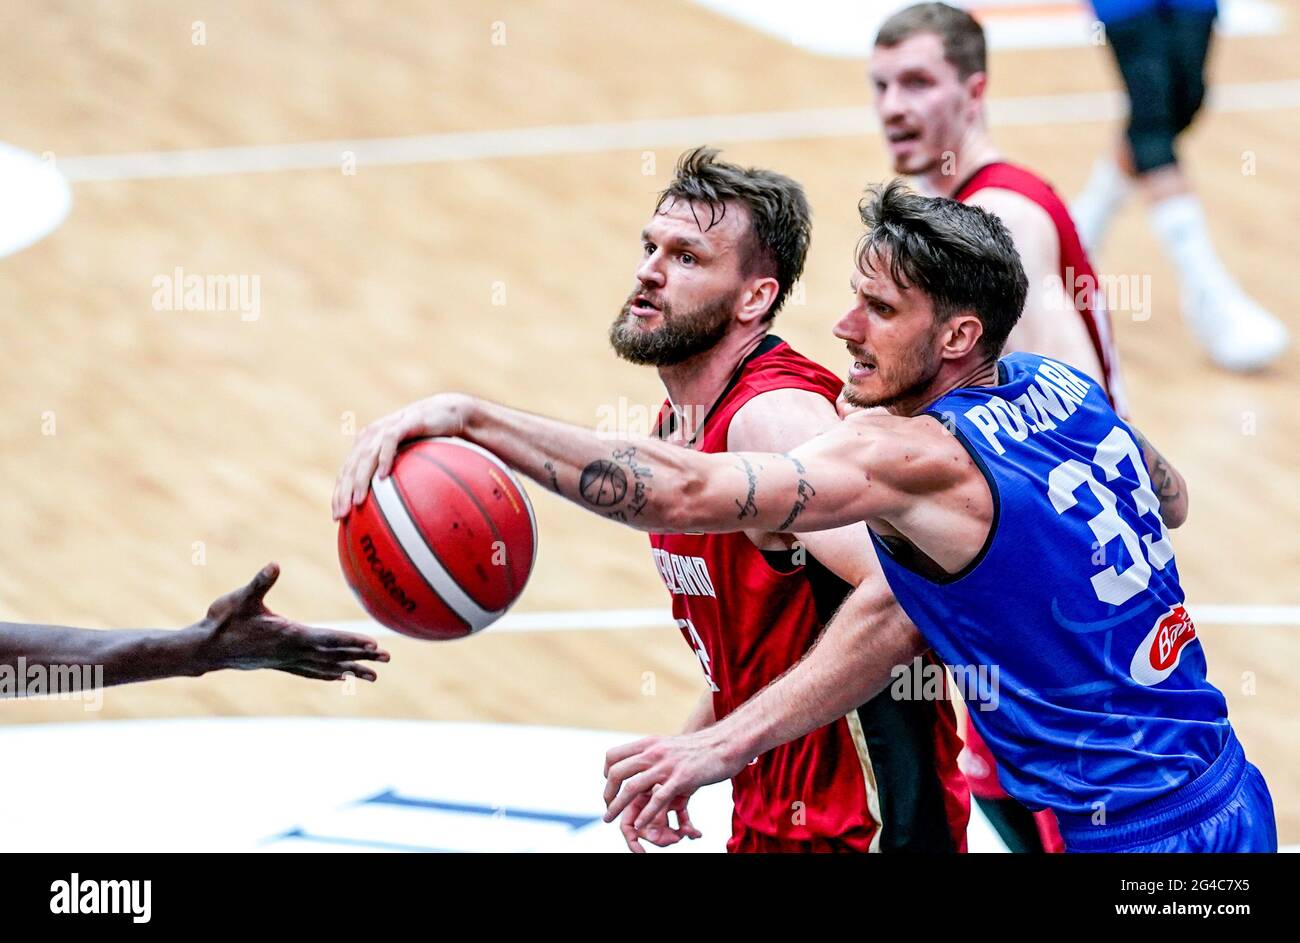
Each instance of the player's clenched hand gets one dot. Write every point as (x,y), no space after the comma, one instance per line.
(659,832)
(676,765)
(240,632)
(378,442)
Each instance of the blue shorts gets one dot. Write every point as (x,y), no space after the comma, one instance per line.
(1113,11)
(1225,809)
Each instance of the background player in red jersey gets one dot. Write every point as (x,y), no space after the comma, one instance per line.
(929,71)
(238,632)
(719,257)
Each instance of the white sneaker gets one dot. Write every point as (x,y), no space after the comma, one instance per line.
(1235,331)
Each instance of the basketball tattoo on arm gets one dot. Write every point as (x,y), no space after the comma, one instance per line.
(604,484)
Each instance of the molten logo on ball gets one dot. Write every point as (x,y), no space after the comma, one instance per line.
(443,546)
(386,577)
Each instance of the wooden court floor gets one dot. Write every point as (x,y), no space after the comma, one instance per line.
(190,447)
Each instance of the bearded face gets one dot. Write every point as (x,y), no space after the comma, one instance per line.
(649,331)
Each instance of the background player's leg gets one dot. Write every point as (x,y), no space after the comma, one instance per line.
(1161,55)
(1235,330)
(1136,38)
(1109,186)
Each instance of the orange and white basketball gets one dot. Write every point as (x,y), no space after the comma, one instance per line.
(443,546)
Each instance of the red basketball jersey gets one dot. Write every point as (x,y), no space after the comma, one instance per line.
(882,778)
(1076,270)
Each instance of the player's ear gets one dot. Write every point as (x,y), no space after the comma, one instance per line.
(977,84)
(760,293)
(962,335)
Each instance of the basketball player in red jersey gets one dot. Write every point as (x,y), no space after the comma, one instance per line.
(238,632)
(929,72)
(719,257)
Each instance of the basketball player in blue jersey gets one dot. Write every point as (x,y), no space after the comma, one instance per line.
(238,632)
(1021,525)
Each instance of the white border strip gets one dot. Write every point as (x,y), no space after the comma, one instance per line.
(430,567)
(587,620)
(623,135)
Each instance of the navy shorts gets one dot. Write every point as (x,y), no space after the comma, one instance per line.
(1225,809)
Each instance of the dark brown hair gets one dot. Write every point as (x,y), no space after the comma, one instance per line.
(780,220)
(963,37)
(961,256)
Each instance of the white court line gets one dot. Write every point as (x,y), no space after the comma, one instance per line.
(619,619)
(1246,615)
(623,135)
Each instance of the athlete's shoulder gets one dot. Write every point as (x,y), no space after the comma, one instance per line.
(1014,178)
(780,419)
(1031,223)
(916,453)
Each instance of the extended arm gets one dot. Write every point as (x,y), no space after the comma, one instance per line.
(125,655)
(838,478)
(237,632)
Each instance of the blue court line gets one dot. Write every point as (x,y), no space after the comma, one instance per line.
(390,797)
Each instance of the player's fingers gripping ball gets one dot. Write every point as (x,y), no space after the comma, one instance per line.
(444,545)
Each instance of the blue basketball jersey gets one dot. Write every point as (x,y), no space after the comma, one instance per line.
(1067,631)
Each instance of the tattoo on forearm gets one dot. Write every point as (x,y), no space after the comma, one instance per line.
(1162,474)
(748,508)
(640,492)
(604,484)
(804,495)
(555,481)
(1166,481)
